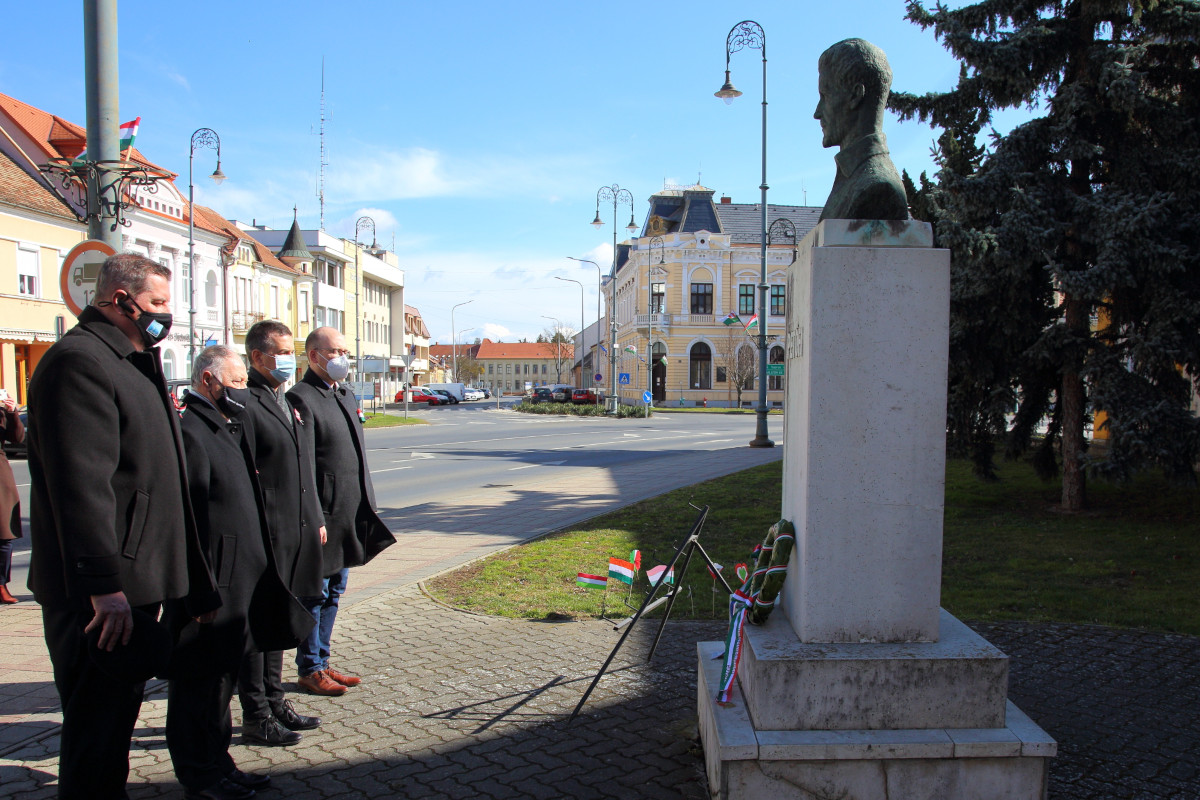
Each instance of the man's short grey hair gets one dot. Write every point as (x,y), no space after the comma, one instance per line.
(212,359)
(852,61)
(260,334)
(128,271)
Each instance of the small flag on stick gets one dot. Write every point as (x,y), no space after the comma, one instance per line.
(751,322)
(712,574)
(636,557)
(659,574)
(732,319)
(621,570)
(592,581)
(630,349)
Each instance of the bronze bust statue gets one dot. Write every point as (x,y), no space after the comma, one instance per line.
(854,83)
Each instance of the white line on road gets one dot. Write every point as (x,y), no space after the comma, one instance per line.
(389,469)
(547,464)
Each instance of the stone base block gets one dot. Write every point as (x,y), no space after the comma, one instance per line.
(959,681)
(1007,762)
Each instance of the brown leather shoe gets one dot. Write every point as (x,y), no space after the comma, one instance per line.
(6,597)
(322,684)
(344,680)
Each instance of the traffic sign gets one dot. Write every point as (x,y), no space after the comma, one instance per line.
(80,269)
(774,369)
(646,396)
(623,378)
(599,377)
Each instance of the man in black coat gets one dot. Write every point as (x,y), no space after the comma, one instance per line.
(111,527)
(255,605)
(294,518)
(356,534)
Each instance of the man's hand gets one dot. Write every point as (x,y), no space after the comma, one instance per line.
(113,617)
(10,405)
(324,535)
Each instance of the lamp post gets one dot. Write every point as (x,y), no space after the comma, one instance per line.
(201,137)
(748,33)
(586,380)
(360,225)
(657,240)
(599,293)
(617,195)
(454,341)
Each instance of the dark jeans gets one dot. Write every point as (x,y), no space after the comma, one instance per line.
(99,711)
(313,653)
(200,728)
(260,685)
(6,561)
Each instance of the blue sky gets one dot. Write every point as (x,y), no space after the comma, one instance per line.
(476,133)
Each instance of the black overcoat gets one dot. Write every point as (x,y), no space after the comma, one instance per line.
(289,493)
(256,608)
(339,452)
(109,507)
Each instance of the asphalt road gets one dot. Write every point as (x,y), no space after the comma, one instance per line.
(474,445)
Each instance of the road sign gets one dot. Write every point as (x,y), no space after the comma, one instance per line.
(623,378)
(598,377)
(81,267)
(363,390)
(646,396)
(774,369)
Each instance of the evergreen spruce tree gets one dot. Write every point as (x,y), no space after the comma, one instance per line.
(1076,238)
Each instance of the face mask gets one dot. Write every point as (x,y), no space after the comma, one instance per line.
(154,327)
(285,368)
(337,368)
(233,401)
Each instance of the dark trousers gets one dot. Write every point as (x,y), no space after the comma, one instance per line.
(200,728)
(6,546)
(260,685)
(99,711)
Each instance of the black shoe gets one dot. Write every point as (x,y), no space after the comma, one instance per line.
(288,718)
(255,782)
(224,789)
(269,732)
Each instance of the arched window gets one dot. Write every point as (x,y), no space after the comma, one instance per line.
(210,289)
(700,362)
(168,362)
(775,382)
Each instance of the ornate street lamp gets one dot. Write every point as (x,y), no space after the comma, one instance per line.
(617,195)
(202,137)
(748,33)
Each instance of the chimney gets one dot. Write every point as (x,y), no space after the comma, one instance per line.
(726,201)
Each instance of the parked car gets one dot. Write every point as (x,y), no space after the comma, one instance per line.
(582,397)
(446,398)
(14,450)
(419,395)
(471,393)
(541,394)
(562,394)
(487,393)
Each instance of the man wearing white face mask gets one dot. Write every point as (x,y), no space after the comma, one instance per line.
(355,532)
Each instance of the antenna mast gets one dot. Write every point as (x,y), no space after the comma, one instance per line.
(324,158)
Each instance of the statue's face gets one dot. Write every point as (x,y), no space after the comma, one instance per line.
(833,110)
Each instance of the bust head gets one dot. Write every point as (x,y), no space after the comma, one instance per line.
(854,82)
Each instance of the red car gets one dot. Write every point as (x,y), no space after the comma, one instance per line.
(419,395)
(583,397)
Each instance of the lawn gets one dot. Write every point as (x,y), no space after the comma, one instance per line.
(1132,560)
(390,421)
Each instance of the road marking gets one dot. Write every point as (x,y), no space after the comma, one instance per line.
(389,469)
(421,455)
(547,464)
(632,435)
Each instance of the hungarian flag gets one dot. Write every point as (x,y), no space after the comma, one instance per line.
(751,323)
(732,318)
(129,131)
(621,570)
(635,556)
(712,574)
(663,360)
(656,575)
(630,349)
(592,581)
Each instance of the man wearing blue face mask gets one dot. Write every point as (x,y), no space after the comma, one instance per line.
(294,518)
(356,533)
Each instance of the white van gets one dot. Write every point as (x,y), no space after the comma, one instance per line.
(455,389)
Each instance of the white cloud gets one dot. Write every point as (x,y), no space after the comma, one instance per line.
(179,79)
(497,332)
(385,223)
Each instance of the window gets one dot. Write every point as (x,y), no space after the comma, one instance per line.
(210,289)
(702,298)
(700,372)
(508,369)
(543,372)
(775,382)
(745,300)
(778,301)
(27,271)
(304,306)
(490,368)
(274,302)
(526,369)
(657,297)
(720,374)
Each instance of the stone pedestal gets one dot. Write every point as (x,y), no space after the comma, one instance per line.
(860,686)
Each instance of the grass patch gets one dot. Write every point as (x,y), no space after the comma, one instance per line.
(1132,560)
(572,410)
(668,409)
(389,421)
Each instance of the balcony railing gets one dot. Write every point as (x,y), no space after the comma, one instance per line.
(244,320)
(699,319)
(657,320)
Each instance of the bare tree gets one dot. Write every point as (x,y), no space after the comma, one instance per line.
(735,354)
(559,340)
(467,368)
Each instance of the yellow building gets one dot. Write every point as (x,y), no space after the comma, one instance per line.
(37,229)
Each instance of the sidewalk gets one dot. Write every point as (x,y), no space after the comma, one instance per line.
(457,705)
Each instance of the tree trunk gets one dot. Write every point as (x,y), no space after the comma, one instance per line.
(1074,480)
